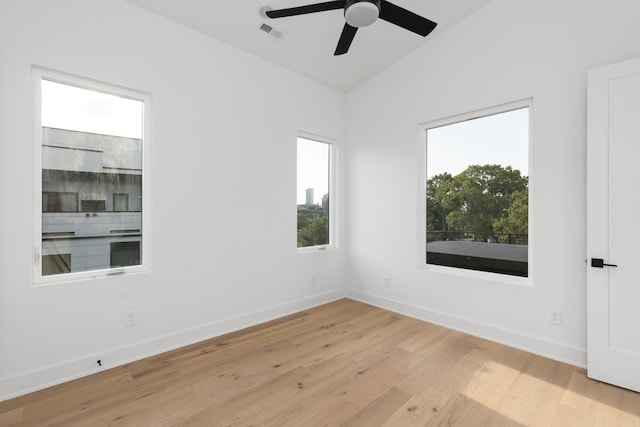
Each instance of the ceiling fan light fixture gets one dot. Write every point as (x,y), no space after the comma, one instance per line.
(362,13)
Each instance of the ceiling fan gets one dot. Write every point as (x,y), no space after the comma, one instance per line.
(360,13)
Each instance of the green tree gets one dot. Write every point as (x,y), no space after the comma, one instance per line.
(304,219)
(315,230)
(517,219)
(436,211)
(475,200)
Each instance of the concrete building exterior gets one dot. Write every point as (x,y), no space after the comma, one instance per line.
(91,201)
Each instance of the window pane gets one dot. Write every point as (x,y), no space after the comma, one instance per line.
(124,254)
(477,194)
(120,202)
(54,201)
(56,264)
(313,193)
(91,179)
(93,205)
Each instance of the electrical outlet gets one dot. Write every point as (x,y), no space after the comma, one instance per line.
(387,282)
(131,318)
(314,280)
(555,317)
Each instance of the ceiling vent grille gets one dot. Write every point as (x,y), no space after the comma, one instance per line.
(273,32)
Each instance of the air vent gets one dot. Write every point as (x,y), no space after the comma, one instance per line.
(273,32)
(266,28)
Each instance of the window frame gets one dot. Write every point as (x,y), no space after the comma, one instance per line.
(423,128)
(38,75)
(333,187)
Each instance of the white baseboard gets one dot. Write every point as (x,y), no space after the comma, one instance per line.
(28,382)
(532,344)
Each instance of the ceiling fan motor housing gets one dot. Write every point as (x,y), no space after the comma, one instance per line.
(360,13)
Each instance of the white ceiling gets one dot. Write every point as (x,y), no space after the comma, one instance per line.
(311,39)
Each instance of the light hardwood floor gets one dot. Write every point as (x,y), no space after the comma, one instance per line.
(341,364)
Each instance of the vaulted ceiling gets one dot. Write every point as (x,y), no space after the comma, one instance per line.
(310,40)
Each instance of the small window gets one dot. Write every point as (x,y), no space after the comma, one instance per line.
(314,198)
(56,201)
(477,192)
(120,202)
(124,254)
(91,142)
(56,264)
(93,205)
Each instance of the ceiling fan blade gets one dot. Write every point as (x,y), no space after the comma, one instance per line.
(405,19)
(302,10)
(348,33)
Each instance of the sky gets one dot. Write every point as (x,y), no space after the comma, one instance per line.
(70,107)
(313,169)
(73,108)
(498,139)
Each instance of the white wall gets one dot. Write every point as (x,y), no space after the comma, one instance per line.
(223,201)
(224,127)
(507,51)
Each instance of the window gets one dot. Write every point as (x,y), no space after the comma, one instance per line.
(56,264)
(91,142)
(93,205)
(476,197)
(55,201)
(314,198)
(125,253)
(120,202)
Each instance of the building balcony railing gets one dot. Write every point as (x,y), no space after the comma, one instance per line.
(478,236)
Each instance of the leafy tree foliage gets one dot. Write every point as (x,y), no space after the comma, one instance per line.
(313,229)
(482,199)
(517,219)
(436,211)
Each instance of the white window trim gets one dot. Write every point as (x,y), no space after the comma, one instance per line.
(422,195)
(333,192)
(38,74)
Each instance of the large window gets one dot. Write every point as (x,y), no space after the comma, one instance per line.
(477,191)
(314,199)
(91,154)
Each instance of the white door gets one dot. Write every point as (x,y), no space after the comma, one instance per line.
(613,225)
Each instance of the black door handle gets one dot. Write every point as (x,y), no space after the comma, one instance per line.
(599,263)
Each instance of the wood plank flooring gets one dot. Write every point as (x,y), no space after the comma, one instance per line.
(341,364)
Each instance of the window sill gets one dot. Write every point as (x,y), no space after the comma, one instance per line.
(86,276)
(313,249)
(479,275)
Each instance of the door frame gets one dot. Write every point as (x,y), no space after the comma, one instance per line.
(598,223)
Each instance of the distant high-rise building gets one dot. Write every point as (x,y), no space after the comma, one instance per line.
(309,196)
(325,204)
